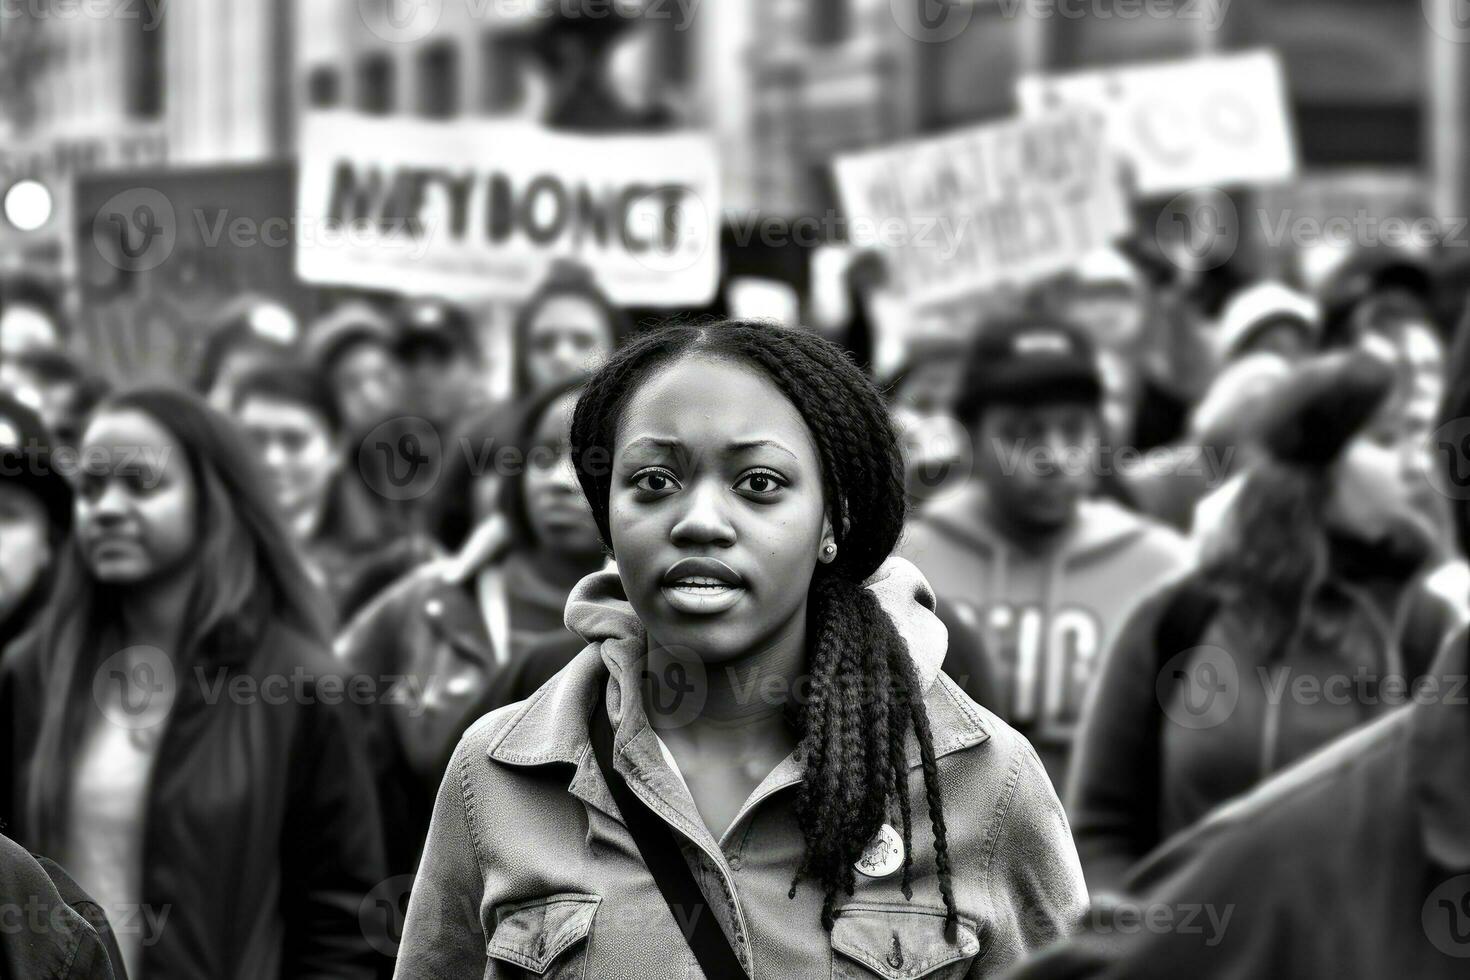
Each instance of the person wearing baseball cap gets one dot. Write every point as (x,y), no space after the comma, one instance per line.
(35,516)
(441,355)
(1025,544)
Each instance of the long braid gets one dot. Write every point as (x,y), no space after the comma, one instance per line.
(865,694)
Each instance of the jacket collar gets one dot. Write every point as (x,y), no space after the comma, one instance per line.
(552,725)
(1439,758)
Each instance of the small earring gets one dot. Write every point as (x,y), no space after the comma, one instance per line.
(829,551)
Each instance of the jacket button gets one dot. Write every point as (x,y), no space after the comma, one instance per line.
(735,863)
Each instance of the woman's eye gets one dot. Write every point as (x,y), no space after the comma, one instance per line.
(655,481)
(760,482)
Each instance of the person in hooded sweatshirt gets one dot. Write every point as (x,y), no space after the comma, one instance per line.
(1313,582)
(759,713)
(1352,864)
(1048,570)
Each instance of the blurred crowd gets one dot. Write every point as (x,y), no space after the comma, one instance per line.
(1132,486)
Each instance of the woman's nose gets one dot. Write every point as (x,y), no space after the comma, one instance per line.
(703,520)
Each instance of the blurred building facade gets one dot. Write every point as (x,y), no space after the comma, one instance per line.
(782,84)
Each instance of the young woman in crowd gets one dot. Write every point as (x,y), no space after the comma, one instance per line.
(468,633)
(186,756)
(567,328)
(761,695)
(1307,616)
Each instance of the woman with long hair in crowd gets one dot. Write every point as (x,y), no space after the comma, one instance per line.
(1308,614)
(757,739)
(479,630)
(189,764)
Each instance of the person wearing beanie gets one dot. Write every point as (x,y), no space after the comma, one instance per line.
(249,332)
(1314,577)
(355,348)
(35,516)
(1044,567)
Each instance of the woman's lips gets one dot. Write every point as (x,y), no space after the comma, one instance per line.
(698,599)
(702,586)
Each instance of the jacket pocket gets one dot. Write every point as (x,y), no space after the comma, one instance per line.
(545,937)
(899,942)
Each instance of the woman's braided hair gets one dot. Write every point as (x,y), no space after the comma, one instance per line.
(865,692)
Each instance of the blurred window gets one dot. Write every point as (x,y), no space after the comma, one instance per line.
(501,84)
(830,21)
(324,88)
(439,81)
(145,56)
(375,84)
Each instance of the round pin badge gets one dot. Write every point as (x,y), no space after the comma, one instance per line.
(883,855)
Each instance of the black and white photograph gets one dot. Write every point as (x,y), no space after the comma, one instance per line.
(734,489)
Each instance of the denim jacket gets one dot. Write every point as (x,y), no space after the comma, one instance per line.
(528,866)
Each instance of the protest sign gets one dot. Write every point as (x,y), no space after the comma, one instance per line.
(480,210)
(1006,203)
(1186,124)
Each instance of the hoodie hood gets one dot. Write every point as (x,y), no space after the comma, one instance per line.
(599,612)
(1102,526)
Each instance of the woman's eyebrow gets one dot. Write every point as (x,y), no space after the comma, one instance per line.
(746,445)
(655,443)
